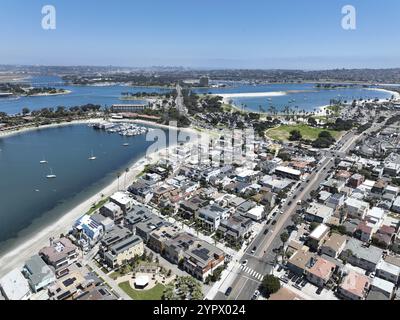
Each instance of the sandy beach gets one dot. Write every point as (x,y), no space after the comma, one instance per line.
(17,256)
(227,96)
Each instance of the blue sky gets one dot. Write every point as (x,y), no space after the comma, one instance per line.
(303,34)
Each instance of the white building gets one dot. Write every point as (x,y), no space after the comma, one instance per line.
(383,286)
(388,271)
(14,286)
(256,214)
(356,208)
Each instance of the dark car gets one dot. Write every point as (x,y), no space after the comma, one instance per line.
(289,203)
(266,232)
(274,222)
(228,291)
(319,291)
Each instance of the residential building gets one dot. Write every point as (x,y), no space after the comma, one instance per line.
(287,172)
(319,213)
(360,255)
(334,245)
(112,211)
(320,271)
(201,259)
(356,208)
(354,286)
(300,261)
(383,286)
(60,255)
(159,237)
(176,246)
(123,200)
(210,217)
(235,228)
(14,286)
(388,271)
(124,251)
(317,236)
(38,273)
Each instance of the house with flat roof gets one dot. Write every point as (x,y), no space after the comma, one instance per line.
(319,213)
(210,217)
(334,245)
(38,273)
(112,211)
(317,236)
(320,271)
(123,200)
(235,228)
(112,237)
(287,172)
(159,237)
(354,286)
(60,255)
(385,287)
(356,208)
(300,261)
(89,230)
(388,271)
(360,255)
(124,251)
(14,286)
(202,259)
(176,246)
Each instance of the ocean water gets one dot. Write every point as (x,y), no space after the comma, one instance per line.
(28,200)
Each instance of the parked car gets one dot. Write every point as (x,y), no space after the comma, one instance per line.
(254,250)
(228,291)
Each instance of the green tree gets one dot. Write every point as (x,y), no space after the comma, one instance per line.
(270,285)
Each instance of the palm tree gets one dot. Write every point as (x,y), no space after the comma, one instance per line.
(126,172)
(118,176)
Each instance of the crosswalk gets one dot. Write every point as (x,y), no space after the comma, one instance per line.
(252,272)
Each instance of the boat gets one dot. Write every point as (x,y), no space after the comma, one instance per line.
(126,144)
(92,157)
(51,175)
(44,161)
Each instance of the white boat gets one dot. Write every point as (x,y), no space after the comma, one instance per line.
(51,175)
(44,161)
(92,157)
(126,144)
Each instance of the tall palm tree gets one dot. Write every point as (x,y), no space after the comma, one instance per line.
(126,173)
(118,176)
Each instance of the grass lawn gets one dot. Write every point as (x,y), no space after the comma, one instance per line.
(152,294)
(97,206)
(282,133)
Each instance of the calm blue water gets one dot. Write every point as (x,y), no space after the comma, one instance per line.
(23,209)
(104,96)
(308,99)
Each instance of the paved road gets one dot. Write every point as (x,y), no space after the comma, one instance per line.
(114,286)
(180,105)
(262,260)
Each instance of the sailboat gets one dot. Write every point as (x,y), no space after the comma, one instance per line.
(44,161)
(92,157)
(51,175)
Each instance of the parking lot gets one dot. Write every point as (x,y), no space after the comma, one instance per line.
(300,286)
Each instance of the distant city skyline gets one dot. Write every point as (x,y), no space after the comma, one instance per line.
(244,34)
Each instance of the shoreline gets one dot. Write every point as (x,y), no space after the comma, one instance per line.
(16,256)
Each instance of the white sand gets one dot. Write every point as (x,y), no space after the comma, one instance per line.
(228,96)
(16,257)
